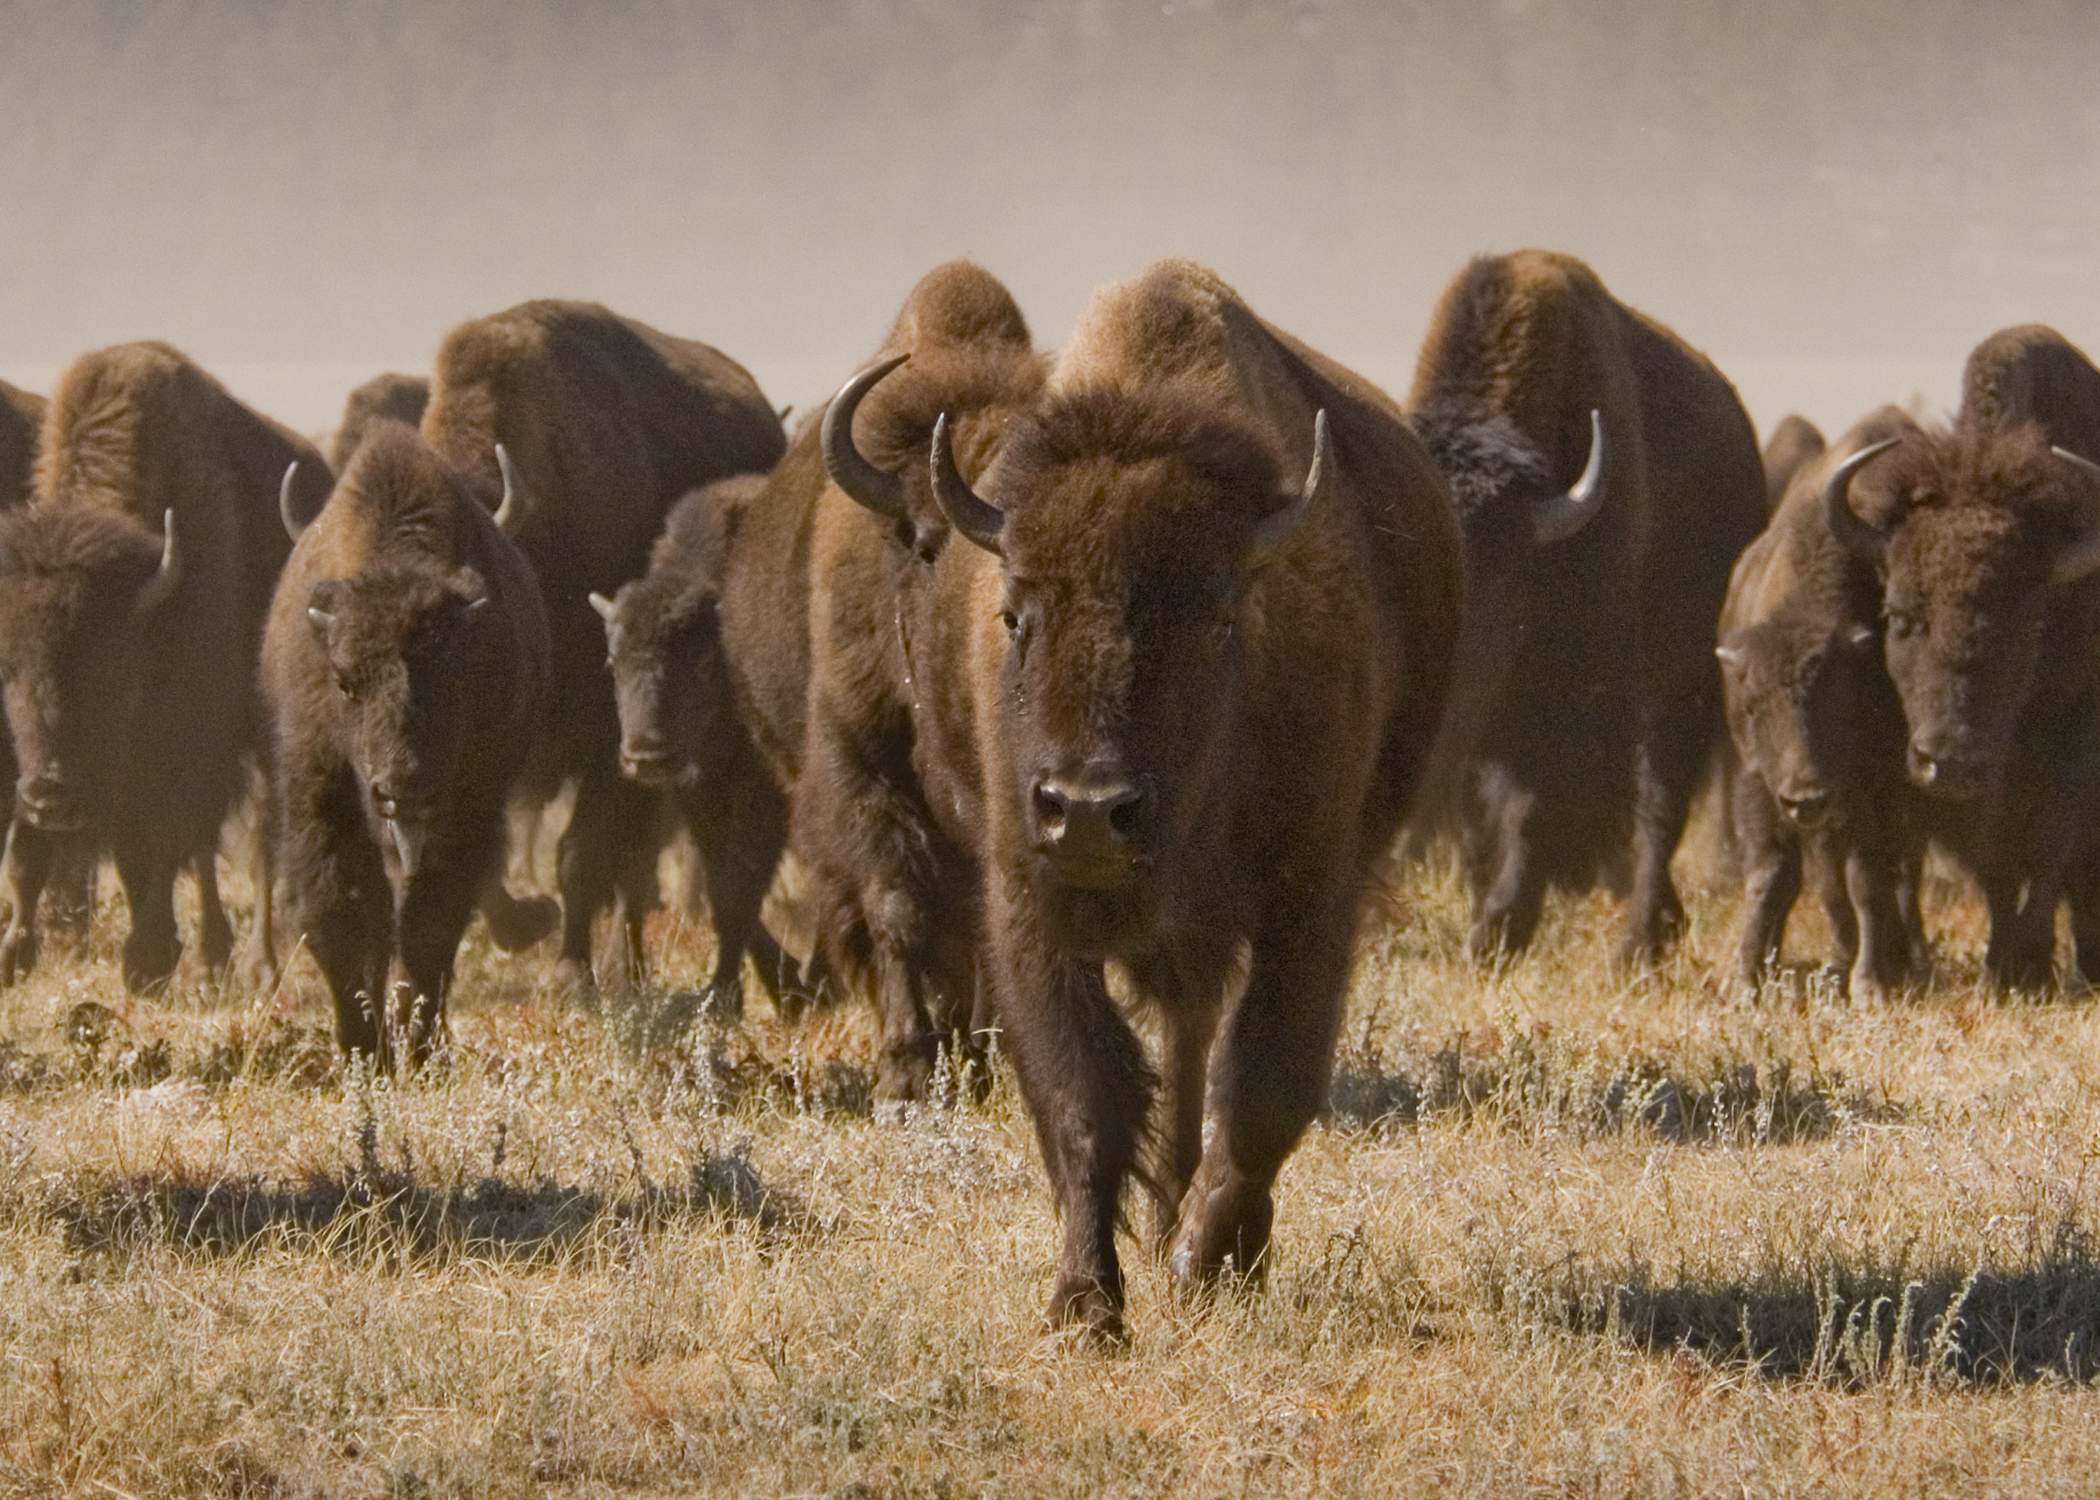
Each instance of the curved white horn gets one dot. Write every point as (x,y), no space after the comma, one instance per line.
(155,590)
(2083,555)
(506,511)
(293,528)
(1559,518)
(1865,542)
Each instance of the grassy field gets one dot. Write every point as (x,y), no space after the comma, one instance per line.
(1564,1233)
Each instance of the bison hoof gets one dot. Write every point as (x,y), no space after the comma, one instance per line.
(1082,1306)
(902,1077)
(149,964)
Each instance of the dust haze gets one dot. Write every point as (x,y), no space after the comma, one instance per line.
(1835,201)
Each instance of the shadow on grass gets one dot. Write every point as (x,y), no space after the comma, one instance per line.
(388,1215)
(1535,1081)
(1850,1326)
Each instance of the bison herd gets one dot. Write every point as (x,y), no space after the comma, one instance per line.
(1143,653)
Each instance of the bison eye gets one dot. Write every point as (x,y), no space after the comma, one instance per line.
(342,685)
(1011,621)
(1901,624)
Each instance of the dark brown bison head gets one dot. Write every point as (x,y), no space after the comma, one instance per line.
(81,593)
(401,640)
(1804,695)
(1976,536)
(663,647)
(1133,532)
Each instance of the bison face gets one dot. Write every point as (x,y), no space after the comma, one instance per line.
(1133,541)
(1803,700)
(1966,601)
(399,640)
(82,601)
(670,680)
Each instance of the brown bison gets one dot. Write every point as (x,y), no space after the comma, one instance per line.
(405,665)
(1188,670)
(132,593)
(680,729)
(394,398)
(607,422)
(1795,442)
(1986,542)
(1819,736)
(885,809)
(1607,478)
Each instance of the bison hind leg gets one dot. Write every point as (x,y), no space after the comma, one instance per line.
(517,923)
(214,929)
(151,949)
(24,869)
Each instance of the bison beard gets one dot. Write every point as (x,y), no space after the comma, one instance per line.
(1137,646)
(405,661)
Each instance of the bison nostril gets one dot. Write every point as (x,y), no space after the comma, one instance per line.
(1050,810)
(1123,813)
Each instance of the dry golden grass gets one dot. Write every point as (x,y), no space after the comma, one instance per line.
(1565,1233)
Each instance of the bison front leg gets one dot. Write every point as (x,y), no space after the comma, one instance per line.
(1083,1075)
(1508,884)
(24,869)
(214,929)
(1268,1082)
(435,911)
(1771,882)
(152,949)
(338,899)
(1189,998)
(1874,880)
(739,832)
(1666,772)
(608,851)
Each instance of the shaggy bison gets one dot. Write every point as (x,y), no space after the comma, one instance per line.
(1819,736)
(1607,478)
(885,808)
(132,593)
(607,423)
(1985,543)
(1185,673)
(405,665)
(680,728)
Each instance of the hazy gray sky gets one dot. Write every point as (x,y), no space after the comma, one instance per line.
(1834,200)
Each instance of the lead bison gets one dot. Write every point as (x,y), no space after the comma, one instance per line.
(406,665)
(607,422)
(132,593)
(1607,478)
(885,808)
(1189,668)
(1985,543)
(1819,736)
(681,730)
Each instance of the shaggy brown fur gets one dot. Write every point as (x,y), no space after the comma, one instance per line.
(396,398)
(883,807)
(1796,441)
(608,422)
(1819,737)
(1588,700)
(1190,738)
(1997,667)
(406,666)
(133,715)
(679,728)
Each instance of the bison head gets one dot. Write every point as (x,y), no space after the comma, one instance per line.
(1803,696)
(400,639)
(663,646)
(83,596)
(1133,533)
(1976,536)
